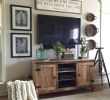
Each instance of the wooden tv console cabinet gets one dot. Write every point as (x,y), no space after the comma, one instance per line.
(62,75)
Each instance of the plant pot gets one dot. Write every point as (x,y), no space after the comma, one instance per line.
(85,55)
(58,55)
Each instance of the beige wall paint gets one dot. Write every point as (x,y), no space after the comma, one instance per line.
(15,68)
(105,32)
(0,46)
(92,7)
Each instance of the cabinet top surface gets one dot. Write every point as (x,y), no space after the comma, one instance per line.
(61,61)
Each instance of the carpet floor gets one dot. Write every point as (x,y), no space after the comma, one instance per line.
(101,95)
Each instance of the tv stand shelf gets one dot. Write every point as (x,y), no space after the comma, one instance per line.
(59,75)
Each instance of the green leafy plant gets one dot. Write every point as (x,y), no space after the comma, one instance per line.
(84,48)
(58,47)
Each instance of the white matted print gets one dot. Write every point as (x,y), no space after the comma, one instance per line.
(21,45)
(21,18)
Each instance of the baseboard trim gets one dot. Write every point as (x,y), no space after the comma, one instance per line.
(3,90)
(3,93)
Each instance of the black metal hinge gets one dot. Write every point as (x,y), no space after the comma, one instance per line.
(39,86)
(91,80)
(38,69)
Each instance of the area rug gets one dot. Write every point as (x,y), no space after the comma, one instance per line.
(101,95)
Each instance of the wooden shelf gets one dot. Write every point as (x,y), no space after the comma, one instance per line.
(67,79)
(66,71)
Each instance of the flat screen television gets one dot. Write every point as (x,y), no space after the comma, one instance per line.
(51,29)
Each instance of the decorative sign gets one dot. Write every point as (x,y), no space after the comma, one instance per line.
(59,5)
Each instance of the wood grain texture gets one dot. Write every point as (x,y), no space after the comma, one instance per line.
(83,74)
(45,77)
(45,74)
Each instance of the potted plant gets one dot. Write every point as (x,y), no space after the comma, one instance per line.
(59,49)
(84,49)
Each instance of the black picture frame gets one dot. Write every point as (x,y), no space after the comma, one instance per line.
(21,18)
(21,45)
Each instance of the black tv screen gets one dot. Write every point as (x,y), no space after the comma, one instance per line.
(51,29)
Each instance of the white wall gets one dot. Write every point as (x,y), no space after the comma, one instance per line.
(17,68)
(14,68)
(0,48)
(92,7)
(106,32)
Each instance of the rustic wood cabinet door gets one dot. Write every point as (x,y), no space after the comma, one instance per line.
(83,73)
(45,77)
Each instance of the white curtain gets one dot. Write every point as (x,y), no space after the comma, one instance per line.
(21,90)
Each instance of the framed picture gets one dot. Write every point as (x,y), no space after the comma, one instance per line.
(21,45)
(21,18)
(70,6)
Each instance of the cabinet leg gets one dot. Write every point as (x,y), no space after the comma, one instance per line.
(92,88)
(92,85)
(37,92)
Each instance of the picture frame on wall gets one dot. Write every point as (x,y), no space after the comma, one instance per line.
(21,18)
(21,45)
(68,6)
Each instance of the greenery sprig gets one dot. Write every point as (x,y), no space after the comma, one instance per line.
(58,47)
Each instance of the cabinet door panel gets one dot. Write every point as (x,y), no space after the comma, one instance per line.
(46,77)
(83,74)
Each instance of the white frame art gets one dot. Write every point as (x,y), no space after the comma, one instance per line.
(21,18)
(21,45)
(70,6)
